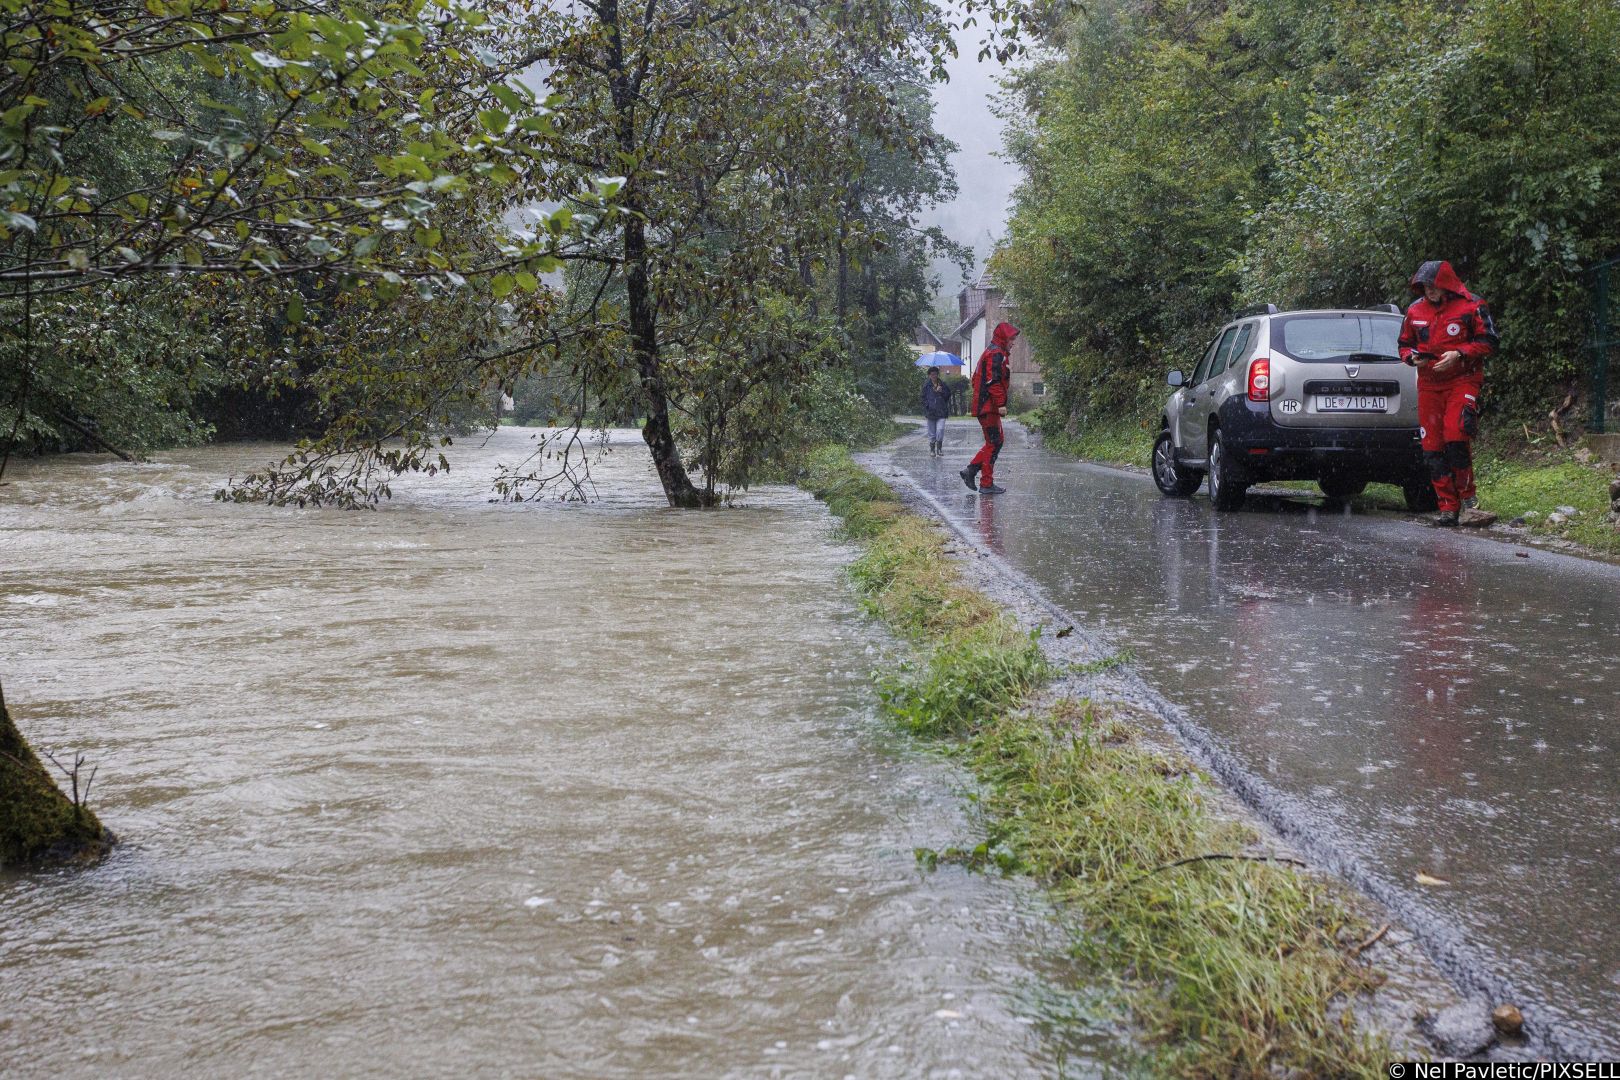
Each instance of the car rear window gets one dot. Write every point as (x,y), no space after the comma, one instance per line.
(1334,337)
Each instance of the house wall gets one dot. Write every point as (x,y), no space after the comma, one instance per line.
(1028,386)
(978,339)
(1028,390)
(968,301)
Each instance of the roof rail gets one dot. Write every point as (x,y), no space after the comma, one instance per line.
(1256,309)
(1393,309)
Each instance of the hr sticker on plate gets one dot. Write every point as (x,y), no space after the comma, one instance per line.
(1288,406)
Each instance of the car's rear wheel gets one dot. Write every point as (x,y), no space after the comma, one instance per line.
(1342,487)
(1420,496)
(1227,484)
(1171,478)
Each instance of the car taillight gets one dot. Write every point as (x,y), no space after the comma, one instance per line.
(1260,379)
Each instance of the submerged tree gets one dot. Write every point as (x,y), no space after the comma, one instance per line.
(736,130)
(37,821)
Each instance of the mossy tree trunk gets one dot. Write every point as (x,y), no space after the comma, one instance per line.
(37,822)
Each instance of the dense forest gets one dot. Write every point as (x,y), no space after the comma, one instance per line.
(1184,159)
(358,225)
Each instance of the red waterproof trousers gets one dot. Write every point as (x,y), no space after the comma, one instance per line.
(985,460)
(1449,414)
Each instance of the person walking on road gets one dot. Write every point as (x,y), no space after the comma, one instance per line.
(1447,335)
(988,400)
(936,406)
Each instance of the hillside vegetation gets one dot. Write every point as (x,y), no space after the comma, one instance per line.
(1184,159)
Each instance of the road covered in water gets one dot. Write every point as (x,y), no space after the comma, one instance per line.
(466,788)
(1400,700)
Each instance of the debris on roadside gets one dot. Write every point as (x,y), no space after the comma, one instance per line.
(1508,1019)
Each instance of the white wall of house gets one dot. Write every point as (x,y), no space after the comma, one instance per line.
(978,339)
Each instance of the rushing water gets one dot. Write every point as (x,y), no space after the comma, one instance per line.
(469,788)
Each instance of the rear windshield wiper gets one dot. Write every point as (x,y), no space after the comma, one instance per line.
(1369,357)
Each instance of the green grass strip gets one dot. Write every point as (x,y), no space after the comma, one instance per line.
(1230,967)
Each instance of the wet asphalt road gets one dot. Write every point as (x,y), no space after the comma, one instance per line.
(1403,699)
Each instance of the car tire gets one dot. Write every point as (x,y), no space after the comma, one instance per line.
(1420,496)
(1342,487)
(1227,484)
(1172,479)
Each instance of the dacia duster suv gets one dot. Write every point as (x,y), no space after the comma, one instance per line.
(1295,395)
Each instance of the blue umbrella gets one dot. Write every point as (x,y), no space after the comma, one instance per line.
(939,359)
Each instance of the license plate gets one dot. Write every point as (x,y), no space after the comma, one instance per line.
(1351,403)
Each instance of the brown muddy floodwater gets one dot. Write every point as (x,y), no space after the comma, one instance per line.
(464,788)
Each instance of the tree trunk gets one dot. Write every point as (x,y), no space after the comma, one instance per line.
(38,823)
(660,440)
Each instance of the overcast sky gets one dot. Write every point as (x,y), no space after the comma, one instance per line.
(962,114)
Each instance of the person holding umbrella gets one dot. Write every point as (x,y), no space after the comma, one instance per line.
(936,406)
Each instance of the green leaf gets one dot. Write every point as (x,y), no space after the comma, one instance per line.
(502,286)
(494,120)
(527,281)
(509,97)
(295,309)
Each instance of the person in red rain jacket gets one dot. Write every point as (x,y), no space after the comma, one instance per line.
(987,398)
(1447,335)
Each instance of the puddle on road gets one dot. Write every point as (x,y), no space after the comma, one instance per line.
(471,788)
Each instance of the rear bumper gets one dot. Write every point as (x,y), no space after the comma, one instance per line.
(1283,453)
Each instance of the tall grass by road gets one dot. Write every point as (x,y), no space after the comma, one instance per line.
(1228,966)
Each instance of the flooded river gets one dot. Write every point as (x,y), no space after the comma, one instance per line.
(468,788)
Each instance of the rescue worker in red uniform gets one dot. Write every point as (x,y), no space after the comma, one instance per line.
(1447,335)
(987,398)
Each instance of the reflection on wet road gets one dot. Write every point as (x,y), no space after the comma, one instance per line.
(469,789)
(1421,701)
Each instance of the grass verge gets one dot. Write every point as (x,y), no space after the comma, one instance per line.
(1231,965)
(1124,439)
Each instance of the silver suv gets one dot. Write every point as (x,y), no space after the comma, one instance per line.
(1295,395)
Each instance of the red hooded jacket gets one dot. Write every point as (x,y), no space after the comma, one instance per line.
(1461,321)
(994,373)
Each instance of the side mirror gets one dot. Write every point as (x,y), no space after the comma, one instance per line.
(1176,378)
